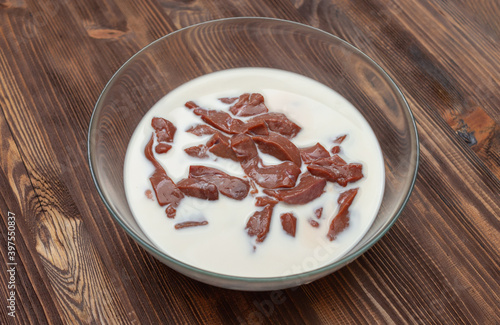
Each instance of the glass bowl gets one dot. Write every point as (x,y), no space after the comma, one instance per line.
(251,42)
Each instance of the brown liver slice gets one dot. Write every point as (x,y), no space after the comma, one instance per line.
(191,105)
(341,220)
(249,105)
(165,130)
(259,223)
(262,201)
(187,224)
(275,176)
(340,139)
(221,120)
(199,188)
(313,223)
(199,151)
(278,123)
(313,153)
(335,169)
(257,128)
(309,188)
(244,147)
(281,175)
(289,223)
(162,147)
(318,212)
(148,152)
(167,194)
(335,150)
(230,186)
(219,146)
(278,146)
(228,100)
(201,129)
(170,211)
(166,191)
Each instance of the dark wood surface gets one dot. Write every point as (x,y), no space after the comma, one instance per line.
(439,264)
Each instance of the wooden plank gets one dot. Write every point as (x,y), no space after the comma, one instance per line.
(197,11)
(31,285)
(482,12)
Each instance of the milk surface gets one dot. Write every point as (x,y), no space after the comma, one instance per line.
(223,246)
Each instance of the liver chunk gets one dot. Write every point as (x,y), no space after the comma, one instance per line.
(341,220)
(228,100)
(221,120)
(262,201)
(259,222)
(278,123)
(199,188)
(313,153)
(230,186)
(278,146)
(244,147)
(281,175)
(199,151)
(162,147)
(309,188)
(289,223)
(219,146)
(187,224)
(257,128)
(166,191)
(335,169)
(201,129)
(275,176)
(167,194)
(249,105)
(165,130)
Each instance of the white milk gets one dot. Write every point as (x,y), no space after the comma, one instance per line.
(223,246)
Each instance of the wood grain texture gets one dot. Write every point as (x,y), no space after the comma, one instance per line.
(19,198)
(439,264)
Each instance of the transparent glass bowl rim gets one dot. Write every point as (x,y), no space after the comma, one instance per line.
(341,262)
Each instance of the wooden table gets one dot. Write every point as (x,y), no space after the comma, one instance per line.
(439,264)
